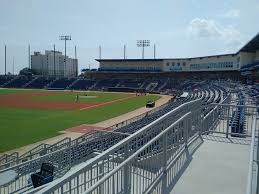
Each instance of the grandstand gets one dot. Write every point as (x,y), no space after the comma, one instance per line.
(88,146)
(150,153)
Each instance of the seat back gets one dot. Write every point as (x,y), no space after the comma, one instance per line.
(47,169)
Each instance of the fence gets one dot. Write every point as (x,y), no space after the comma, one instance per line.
(8,160)
(111,160)
(78,151)
(155,165)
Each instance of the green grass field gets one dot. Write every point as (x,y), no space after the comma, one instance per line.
(70,96)
(20,127)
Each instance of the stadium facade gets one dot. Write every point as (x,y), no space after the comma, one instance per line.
(53,64)
(245,61)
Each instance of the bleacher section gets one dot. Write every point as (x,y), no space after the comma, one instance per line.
(85,147)
(131,83)
(83,84)
(238,120)
(62,83)
(40,82)
(162,85)
(19,82)
(5,79)
(106,83)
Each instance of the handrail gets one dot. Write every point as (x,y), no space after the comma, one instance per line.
(69,175)
(50,146)
(251,161)
(136,153)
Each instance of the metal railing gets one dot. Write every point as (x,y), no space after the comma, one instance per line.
(78,150)
(253,170)
(8,160)
(151,167)
(63,159)
(93,171)
(220,120)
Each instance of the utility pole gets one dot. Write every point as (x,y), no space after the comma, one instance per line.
(100,52)
(5,60)
(124,51)
(54,61)
(76,63)
(154,51)
(29,56)
(13,65)
(65,38)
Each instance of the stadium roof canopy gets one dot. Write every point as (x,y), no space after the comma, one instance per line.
(161,59)
(252,45)
(125,60)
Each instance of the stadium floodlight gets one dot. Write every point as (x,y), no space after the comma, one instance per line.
(143,44)
(65,38)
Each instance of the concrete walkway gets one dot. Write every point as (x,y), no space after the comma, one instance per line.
(219,166)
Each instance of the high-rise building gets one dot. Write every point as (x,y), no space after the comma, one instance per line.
(44,64)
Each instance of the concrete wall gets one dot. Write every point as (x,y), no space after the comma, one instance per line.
(132,65)
(212,63)
(257,55)
(246,58)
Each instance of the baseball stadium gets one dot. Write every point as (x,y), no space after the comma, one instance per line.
(130,126)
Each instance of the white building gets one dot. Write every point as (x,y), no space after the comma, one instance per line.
(53,64)
(247,56)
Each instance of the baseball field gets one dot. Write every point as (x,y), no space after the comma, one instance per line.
(28,116)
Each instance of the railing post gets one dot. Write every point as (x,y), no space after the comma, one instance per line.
(69,154)
(127,173)
(228,112)
(187,127)
(164,165)
(186,130)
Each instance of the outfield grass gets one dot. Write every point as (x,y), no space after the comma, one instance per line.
(12,91)
(20,127)
(71,96)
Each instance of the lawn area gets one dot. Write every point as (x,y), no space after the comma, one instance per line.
(20,127)
(13,91)
(83,96)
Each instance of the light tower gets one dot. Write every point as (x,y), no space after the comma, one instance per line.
(65,38)
(143,44)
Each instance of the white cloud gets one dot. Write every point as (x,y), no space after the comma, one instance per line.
(232,37)
(211,29)
(204,28)
(232,14)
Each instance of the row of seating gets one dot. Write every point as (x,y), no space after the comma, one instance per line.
(98,142)
(238,120)
(16,82)
(159,85)
(5,79)
(62,83)
(134,126)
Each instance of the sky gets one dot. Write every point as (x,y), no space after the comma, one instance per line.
(179,28)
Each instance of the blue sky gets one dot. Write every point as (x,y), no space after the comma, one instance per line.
(179,28)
